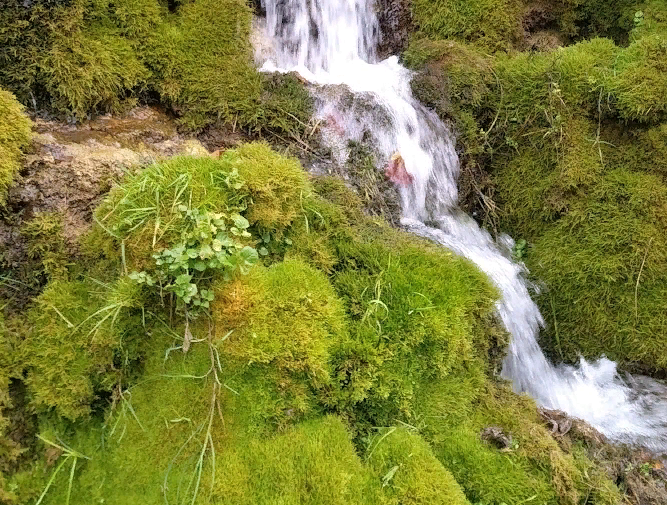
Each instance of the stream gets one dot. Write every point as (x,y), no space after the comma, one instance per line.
(331,43)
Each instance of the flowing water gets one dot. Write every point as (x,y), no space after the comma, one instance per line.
(332,44)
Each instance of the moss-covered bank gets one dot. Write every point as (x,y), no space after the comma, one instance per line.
(82,57)
(573,139)
(237,333)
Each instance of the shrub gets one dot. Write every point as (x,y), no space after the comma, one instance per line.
(15,134)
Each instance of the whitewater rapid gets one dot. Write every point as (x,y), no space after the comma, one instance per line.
(332,43)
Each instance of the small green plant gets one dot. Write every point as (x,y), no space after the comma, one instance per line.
(519,249)
(210,242)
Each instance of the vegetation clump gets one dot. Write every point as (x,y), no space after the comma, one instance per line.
(15,134)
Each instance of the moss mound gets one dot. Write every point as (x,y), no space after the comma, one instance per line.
(15,134)
(360,374)
(492,24)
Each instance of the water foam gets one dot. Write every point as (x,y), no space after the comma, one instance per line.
(332,43)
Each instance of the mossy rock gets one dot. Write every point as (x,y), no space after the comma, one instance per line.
(365,381)
(83,57)
(15,134)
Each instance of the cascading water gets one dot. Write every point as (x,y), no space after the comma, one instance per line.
(331,42)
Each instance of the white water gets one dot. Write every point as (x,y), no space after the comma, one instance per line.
(331,42)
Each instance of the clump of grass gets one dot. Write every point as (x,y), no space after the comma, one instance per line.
(15,134)
(143,215)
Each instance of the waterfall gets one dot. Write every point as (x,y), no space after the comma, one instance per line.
(332,43)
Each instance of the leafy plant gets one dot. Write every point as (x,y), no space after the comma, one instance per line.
(519,249)
(210,242)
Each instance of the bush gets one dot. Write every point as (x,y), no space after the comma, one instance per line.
(15,134)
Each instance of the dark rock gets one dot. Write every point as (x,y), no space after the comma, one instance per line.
(396,25)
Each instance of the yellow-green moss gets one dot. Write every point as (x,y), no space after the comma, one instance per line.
(495,25)
(277,186)
(409,471)
(639,84)
(81,57)
(15,134)
(203,61)
(287,315)
(46,244)
(81,331)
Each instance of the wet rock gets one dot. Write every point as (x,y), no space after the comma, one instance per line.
(495,436)
(395,20)
(396,172)
(639,472)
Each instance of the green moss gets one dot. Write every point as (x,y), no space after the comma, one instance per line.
(277,186)
(221,82)
(491,24)
(365,378)
(91,70)
(639,85)
(81,331)
(15,134)
(46,244)
(410,472)
(601,244)
(649,18)
(287,315)
(81,57)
